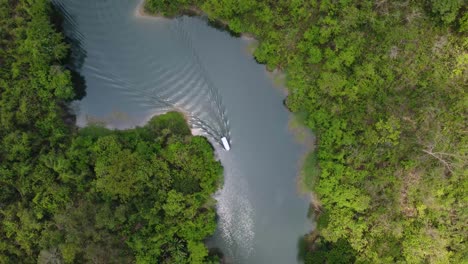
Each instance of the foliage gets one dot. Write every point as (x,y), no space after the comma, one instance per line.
(167,7)
(90,195)
(383,85)
(340,253)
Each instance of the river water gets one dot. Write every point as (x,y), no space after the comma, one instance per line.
(135,67)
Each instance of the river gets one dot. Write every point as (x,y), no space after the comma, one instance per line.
(135,67)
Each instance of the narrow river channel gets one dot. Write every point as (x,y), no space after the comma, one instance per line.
(135,67)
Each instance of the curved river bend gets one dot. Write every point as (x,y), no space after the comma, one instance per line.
(135,67)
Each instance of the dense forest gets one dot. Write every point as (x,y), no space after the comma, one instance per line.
(90,195)
(382,84)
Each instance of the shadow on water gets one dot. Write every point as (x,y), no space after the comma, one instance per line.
(221,26)
(56,18)
(302,248)
(213,23)
(216,254)
(64,22)
(79,83)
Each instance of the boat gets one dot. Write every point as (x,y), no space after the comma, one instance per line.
(225,142)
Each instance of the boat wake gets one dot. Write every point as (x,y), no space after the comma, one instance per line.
(157,77)
(181,83)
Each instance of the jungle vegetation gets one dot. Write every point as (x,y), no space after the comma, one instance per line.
(90,195)
(383,86)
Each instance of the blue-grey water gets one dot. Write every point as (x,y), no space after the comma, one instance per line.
(135,67)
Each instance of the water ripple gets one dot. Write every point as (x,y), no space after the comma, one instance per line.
(180,83)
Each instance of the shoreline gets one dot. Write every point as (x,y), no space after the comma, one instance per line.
(141,13)
(301,133)
(106,123)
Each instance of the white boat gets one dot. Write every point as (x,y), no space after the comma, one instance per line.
(225,143)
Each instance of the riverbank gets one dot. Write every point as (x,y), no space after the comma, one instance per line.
(387,113)
(301,133)
(308,172)
(91,194)
(290,131)
(140,12)
(308,167)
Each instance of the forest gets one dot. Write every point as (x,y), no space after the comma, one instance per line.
(382,84)
(90,195)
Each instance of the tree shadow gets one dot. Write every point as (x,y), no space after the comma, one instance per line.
(64,22)
(221,26)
